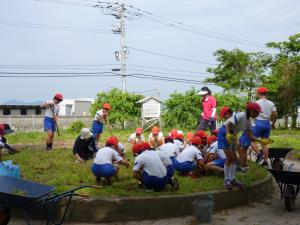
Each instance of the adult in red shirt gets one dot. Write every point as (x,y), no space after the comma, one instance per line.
(208,115)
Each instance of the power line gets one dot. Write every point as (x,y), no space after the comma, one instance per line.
(55,66)
(165,21)
(173,57)
(167,73)
(196,30)
(161,70)
(96,74)
(51,27)
(168,69)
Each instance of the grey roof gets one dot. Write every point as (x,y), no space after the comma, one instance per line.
(148,98)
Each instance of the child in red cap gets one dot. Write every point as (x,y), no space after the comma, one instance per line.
(190,158)
(50,118)
(101,117)
(156,137)
(136,137)
(107,160)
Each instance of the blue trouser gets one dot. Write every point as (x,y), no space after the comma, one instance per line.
(97,127)
(103,170)
(49,124)
(154,182)
(185,167)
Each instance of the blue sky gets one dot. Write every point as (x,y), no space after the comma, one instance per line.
(259,21)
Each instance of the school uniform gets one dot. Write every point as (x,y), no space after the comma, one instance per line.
(186,161)
(262,126)
(220,160)
(154,173)
(179,144)
(170,149)
(50,114)
(99,119)
(134,138)
(103,162)
(240,123)
(85,148)
(167,163)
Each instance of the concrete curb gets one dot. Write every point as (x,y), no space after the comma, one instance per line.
(117,209)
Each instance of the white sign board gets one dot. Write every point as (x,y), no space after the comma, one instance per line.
(151,109)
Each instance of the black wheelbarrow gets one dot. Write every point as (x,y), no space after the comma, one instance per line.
(277,157)
(289,184)
(27,195)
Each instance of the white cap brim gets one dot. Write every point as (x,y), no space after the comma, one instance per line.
(202,92)
(86,136)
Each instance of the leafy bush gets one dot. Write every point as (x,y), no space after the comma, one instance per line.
(75,127)
(123,105)
(182,110)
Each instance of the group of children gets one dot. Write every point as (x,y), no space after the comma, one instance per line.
(157,158)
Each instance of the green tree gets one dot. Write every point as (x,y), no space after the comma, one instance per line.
(182,110)
(284,82)
(232,100)
(124,106)
(239,71)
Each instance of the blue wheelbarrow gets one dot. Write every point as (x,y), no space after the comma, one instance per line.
(27,195)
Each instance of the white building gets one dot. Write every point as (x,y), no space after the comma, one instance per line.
(76,107)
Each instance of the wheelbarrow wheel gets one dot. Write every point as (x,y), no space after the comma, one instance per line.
(5,214)
(290,198)
(277,164)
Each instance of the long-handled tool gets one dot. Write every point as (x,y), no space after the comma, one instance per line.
(55,121)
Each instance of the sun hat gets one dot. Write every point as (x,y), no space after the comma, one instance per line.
(85,133)
(204,90)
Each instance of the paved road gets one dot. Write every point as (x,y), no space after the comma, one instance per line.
(267,212)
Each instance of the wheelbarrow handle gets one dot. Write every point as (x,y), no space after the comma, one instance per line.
(96,186)
(81,195)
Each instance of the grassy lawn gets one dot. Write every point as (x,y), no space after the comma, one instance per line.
(58,168)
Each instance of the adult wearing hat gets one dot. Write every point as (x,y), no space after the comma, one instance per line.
(100,118)
(107,160)
(50,118)
(84,146)
(156,137)
(208,115)
(262,123)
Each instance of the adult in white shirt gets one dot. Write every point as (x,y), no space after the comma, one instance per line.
(169,148)
(190,158)
(107,160)
(50,118)
(156,137)
(136,137)
(262,126)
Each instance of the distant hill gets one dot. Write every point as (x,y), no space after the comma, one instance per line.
(17,102)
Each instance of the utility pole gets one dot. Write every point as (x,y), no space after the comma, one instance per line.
(121,13)
(123,48)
